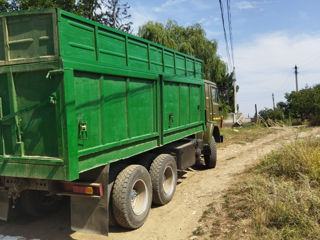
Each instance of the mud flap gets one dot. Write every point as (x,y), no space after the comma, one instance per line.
(4,205)
(91,215)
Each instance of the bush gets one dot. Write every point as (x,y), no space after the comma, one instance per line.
(314,120)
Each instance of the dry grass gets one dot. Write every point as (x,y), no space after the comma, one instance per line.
(244,135)
(278,199)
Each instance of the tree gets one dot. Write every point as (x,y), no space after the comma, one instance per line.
(4,5)
(68,5)
(90,9)
(109,12)
(304,104)
(116,15)
(273,114)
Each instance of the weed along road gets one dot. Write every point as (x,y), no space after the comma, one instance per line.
(177,220)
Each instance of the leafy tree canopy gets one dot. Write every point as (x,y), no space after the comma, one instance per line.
(304,103)
(301,105)
(109,12)
(68,5)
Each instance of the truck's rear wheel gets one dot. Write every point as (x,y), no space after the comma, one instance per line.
(210,154)
(39,203)
(131,197)
(163,172)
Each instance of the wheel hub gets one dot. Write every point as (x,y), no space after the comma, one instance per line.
(139,197)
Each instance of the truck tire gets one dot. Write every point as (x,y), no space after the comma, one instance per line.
(210,154)
(163,172)
(39,203)
(132,197)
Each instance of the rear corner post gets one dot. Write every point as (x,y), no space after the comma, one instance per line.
(4,205)
(70,126)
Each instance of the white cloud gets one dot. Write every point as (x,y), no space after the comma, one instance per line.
(140,16)
(167,4)
(245,5)
(265,66)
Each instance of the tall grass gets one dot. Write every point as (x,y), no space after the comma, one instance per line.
(278,199)
(299,158)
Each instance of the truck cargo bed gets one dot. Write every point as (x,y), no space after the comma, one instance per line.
(75,95)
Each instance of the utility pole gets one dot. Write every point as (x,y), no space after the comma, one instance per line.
(256,113)
(234,93)
(296,74)
(274,106)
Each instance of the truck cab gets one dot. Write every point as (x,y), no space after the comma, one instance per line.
(214,119)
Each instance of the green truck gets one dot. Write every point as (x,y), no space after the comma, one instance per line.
(98,115)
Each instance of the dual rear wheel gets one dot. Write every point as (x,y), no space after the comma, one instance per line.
(135,189)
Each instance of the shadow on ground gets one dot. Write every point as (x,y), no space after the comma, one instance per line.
(22,227)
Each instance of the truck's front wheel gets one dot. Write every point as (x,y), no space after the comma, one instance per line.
(163,172)
(210,154)
(131,197)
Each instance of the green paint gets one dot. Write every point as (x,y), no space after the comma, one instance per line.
(76,95)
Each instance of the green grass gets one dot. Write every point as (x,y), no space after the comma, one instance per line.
(278,199)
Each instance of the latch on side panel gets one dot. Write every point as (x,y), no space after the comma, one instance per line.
(171,116)
(83,131)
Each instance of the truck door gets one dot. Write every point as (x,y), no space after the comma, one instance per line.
(208,102)
(215,104)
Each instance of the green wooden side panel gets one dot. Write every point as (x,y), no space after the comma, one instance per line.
(181,66)
(114,109)
(78,40)
(141,107)
(184,106)
(24,42)
(112,48)
(103,46)
(39,125)
(28,94)
(28,37)
(156,59)
(5,110)
(171,105)
(138,55)
(88,102)
(195,103)
(169,62)
(2,46)
(198,70)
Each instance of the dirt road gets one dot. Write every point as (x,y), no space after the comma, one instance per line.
(177,220)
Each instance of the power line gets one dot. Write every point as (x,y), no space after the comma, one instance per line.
(230,31)
(224,32)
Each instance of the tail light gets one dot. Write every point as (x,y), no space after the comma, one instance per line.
(82,189)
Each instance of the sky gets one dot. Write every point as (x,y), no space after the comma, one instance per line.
(270,37)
